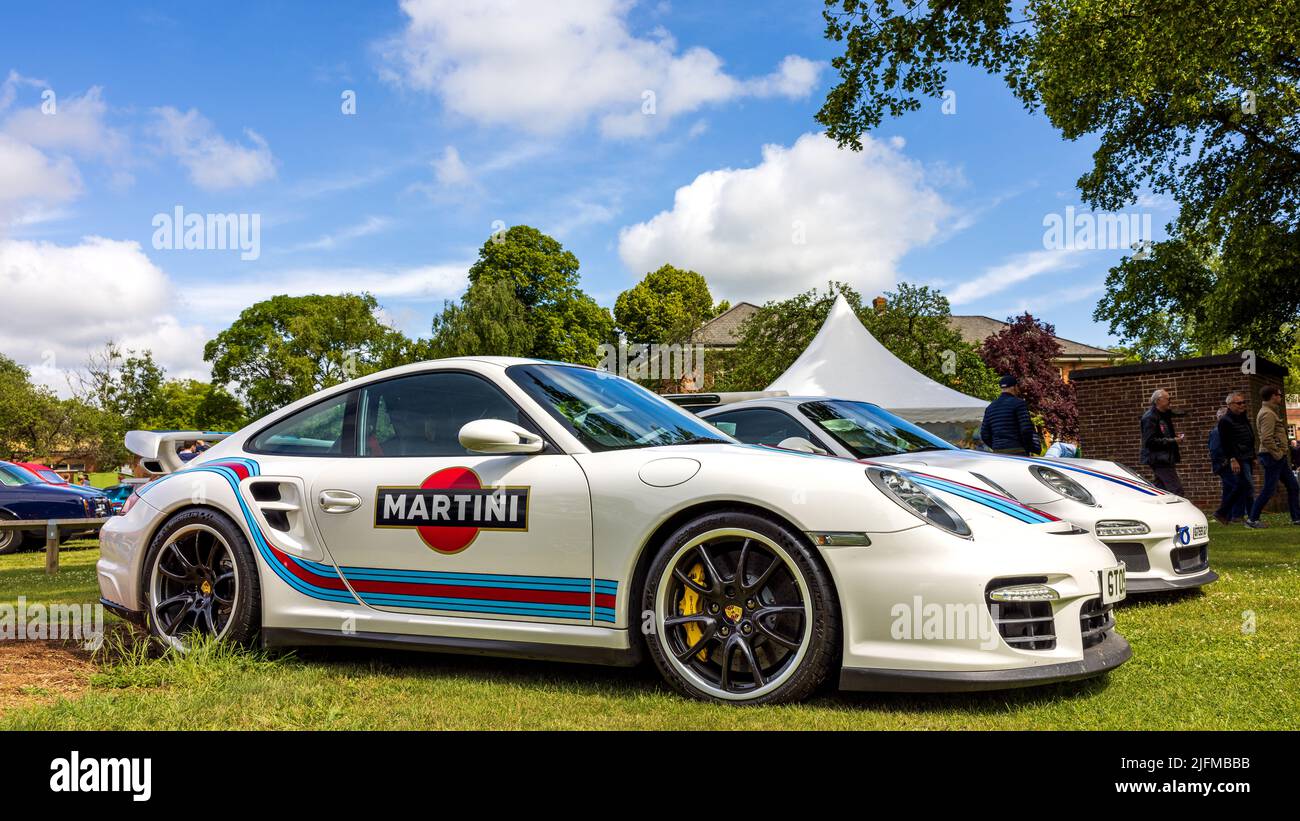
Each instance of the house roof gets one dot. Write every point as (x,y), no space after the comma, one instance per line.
(975,329)
(723,331)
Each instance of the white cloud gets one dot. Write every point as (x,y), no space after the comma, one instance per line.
(368,226)
(214,163)
(550,67)
(1015,270)
(77,125)
(103,290)
(857,214)
(138,306)
(222,301)
(31,180)
(449,170)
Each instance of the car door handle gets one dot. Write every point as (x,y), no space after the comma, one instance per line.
(339,501)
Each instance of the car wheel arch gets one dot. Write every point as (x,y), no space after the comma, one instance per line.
(646,552)
(164,518)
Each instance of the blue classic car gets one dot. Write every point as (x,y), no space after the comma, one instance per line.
(25,496)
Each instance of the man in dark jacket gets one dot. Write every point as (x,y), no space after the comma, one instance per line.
(1160,449)
(1007,427)
(1237,441)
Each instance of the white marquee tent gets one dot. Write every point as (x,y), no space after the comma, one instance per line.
(845,361)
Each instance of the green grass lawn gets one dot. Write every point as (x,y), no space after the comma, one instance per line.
(1194,667)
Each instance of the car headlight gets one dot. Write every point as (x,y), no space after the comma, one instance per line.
(1063,484)
(918,501)
(1122,527)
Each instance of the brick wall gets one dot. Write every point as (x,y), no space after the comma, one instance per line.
(1112,400)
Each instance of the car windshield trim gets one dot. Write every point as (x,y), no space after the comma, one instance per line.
(607,412)
(869,431)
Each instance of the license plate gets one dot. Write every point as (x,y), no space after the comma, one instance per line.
(1200,532)
(1112,584)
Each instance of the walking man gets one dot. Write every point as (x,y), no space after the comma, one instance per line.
(1237,440)
(1274,453)
(1007,427)
(1160,444)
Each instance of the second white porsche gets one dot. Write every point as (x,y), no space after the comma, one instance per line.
(1162,539)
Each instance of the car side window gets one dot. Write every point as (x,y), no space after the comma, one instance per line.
(422,414)
(761,426)
(318,430)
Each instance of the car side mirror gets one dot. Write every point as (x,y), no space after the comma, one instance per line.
(498,436)
(801,444)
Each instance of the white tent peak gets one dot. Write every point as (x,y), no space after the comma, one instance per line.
(844,361)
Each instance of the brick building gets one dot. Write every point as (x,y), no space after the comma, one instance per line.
(1112,400)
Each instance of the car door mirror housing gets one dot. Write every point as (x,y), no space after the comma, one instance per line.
(801,444)
(498,436)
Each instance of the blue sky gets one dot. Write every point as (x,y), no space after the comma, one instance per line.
(472,116)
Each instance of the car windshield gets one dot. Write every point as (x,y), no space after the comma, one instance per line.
(13,476)
(50,476)
(868,431)
(608,412)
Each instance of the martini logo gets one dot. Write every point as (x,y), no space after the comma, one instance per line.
(450,507)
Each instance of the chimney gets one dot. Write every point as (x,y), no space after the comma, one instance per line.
(879,304)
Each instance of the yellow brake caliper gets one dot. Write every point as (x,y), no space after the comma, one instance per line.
(690,606)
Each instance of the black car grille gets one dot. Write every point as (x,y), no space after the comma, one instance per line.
(1132,554)
(1023,625)
(1190,559)
(1095,621)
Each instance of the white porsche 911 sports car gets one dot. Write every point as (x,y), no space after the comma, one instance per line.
(1162,539)
(536,509)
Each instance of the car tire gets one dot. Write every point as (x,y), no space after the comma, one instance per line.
(11,541)
(200,576)
(762,634)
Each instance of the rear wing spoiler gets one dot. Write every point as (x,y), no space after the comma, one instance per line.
(157,448)
(700,401)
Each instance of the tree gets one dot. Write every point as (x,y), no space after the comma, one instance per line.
(285,348)
(126,384)
(665,307)
(913,326)
(36,423)
(563,323)
(190,404)
(489,320)
(1196,101)
(1025,349)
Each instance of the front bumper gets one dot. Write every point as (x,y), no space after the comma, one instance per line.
(1113,651)
(1157,585)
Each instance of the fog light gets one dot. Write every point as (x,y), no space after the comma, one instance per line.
(1122,527)
(1024,592)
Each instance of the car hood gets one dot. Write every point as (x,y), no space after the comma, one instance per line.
(1106,481)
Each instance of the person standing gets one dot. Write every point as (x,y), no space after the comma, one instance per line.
(1160,443)
(1221,466)
(1295,454)
(1007,427)
(1273,457)
(1237,440)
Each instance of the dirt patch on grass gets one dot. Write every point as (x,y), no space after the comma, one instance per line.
(41,672)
